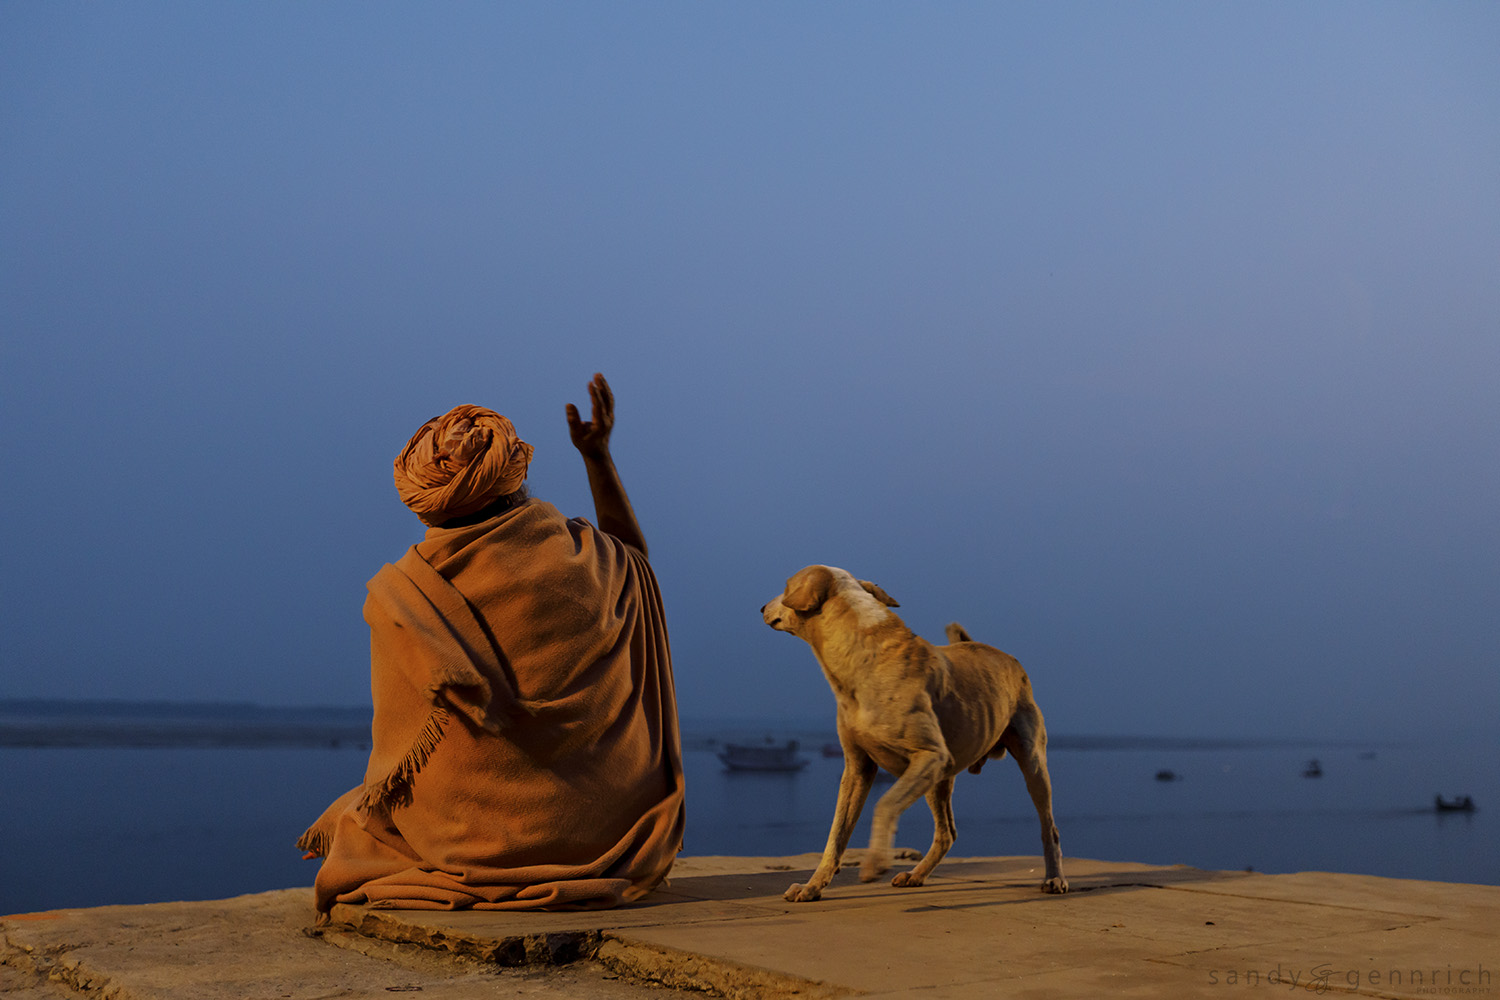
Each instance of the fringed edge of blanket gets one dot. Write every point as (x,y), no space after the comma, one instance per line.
(395,788)
(316,841)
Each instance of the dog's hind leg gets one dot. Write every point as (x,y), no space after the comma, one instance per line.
(854,788)
(1026,738)
(940,801)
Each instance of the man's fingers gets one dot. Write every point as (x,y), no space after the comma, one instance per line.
(604,400)
(602,404)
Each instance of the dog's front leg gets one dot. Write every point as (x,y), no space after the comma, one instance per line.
(940,801)
(854,788)
(923,770)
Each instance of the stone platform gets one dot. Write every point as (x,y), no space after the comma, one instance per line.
(979,928)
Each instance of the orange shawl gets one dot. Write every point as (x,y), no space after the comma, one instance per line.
(525,744)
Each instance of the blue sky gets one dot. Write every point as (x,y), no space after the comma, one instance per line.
(1156,343)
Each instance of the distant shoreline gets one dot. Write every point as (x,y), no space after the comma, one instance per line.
(59,723)
(54,723)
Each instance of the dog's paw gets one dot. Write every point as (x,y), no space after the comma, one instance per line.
(1058,885)
(799,893)
(873,867)
(907,879)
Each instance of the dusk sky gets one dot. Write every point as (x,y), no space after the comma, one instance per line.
(1156,343)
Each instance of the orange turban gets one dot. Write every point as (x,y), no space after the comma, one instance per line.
(459,462)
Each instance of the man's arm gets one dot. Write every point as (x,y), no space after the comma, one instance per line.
(611,506)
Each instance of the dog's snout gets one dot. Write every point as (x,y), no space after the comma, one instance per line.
(762,609)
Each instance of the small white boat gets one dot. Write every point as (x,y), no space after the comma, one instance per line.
(768,756)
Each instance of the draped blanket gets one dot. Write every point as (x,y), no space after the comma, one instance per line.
(525,744)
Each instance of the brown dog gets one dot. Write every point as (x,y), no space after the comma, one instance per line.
(920,711)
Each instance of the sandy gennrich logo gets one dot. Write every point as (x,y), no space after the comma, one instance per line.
(1448,980)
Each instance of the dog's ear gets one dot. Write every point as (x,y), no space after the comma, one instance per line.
(873,589)
(808,589)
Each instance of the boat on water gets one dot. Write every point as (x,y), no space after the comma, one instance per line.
(767,756)
(1462,804)
(1165,775)
(1313,769)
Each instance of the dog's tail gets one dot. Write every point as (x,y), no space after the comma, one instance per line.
(956,633)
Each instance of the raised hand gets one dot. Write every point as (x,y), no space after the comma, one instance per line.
(591,438)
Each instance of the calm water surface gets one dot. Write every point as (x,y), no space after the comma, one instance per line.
(85,827)
(1232,809)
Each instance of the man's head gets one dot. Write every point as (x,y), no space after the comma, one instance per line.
(459,463)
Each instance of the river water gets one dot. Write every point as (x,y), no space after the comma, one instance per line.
(91,825)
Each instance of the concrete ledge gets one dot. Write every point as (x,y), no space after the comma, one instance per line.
(716,976)
(523,948)
(979,928)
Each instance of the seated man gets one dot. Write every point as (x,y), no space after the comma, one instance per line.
(525,745)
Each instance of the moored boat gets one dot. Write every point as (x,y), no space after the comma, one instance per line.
(1463,803)
(768,756)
